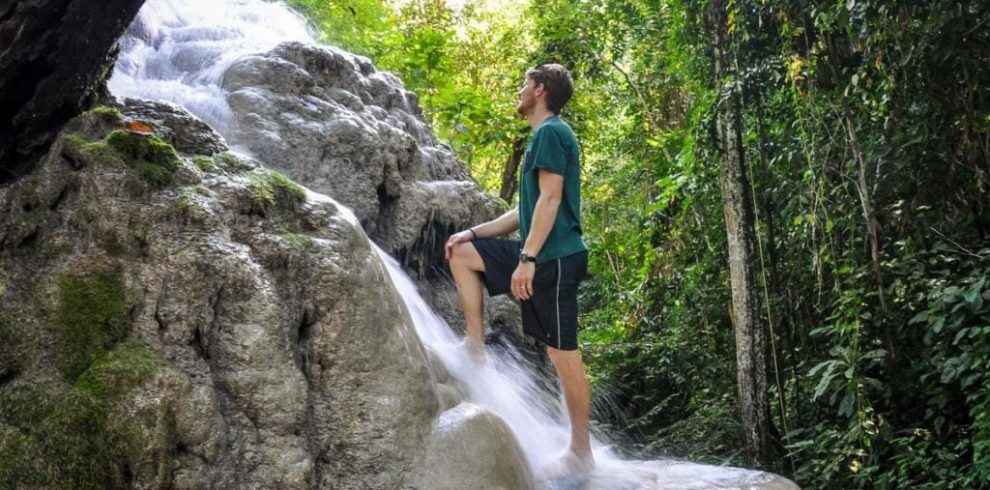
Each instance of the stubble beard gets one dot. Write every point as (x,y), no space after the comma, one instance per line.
(522,108)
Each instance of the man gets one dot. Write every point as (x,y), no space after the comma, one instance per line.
(544,270)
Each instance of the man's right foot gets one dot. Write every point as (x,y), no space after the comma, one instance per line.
(569,466)
(476,351)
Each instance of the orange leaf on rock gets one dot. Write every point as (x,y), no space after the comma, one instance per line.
(139,127)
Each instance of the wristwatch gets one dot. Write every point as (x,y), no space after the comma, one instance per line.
(526,258)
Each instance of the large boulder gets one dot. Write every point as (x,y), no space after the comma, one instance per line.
(329,120)
(196,321)
(473,448)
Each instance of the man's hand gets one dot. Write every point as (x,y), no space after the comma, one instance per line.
(463,236)
(522,280)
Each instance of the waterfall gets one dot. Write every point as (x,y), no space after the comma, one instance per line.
(178,50)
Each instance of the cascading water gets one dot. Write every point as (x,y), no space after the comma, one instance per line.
(182,47)
(178,51)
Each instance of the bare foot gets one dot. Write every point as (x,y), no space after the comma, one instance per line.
(476,351)
(570,465)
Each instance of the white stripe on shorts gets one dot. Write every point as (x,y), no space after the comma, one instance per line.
(559,341)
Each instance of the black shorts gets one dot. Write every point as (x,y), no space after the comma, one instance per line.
(551,313)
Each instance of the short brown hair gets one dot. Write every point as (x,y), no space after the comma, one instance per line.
(556,81)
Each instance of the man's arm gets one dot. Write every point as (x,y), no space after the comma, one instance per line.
(503,225)
(544,215)
(545,211)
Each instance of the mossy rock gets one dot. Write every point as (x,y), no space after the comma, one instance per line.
(14,349)
(155,160)
(105,114)
(227,160)
(82,151)
(298,240)
(80,437)
(92,317)
(204,164)
(25,403)
(232,162)
(270,190)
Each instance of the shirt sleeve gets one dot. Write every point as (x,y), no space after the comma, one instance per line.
(548,151)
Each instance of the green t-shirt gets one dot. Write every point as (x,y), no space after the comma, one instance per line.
(553,148)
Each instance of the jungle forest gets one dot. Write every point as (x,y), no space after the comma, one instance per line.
(786,205)
(828,162)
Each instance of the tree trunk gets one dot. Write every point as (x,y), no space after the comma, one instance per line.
(54,55)
(750,330)
(872,231)
(509,179)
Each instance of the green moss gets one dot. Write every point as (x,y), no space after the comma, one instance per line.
(25,404)
(271,190)
(154,159)
(105,113)
(14,349)
(190,195)
(298,240)
(227,159)
(204,163)
(83,151)
(75,140)
(118,371)
(80,437)
(114,246)
(92,317)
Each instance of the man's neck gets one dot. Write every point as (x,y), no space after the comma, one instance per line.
(538,116)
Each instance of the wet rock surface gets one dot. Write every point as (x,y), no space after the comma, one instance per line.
(329,120)
(472,448)
(283,357)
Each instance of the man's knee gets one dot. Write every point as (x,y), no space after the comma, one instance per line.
(464,254)
(559,355)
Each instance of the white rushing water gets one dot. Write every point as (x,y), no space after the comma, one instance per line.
(177,51)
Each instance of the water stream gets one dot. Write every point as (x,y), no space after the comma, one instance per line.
(177,51)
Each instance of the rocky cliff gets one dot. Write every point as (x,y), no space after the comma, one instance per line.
(190,319)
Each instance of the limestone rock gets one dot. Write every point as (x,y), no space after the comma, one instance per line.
(287,359)
(472,448)
(329,120)
(176,126)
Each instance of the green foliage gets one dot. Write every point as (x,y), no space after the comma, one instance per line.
(879,357)
(52,436)
(92,316)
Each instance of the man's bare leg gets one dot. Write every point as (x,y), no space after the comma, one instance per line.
(465,264)
(577,395)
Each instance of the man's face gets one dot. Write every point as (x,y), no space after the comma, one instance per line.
(527,96)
